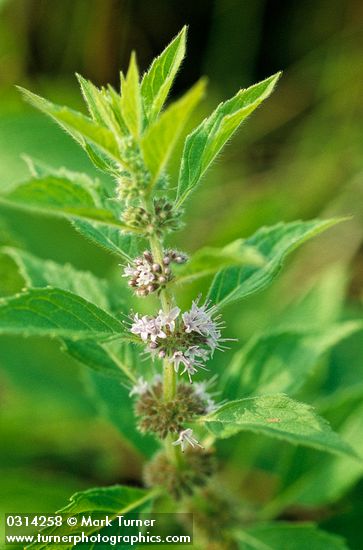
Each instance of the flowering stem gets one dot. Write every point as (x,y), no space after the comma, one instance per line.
(166,300)
(169,378)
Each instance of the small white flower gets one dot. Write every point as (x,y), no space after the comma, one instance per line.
(195,352)
(186,437)
(140,387)
(146,276)
(190,369)
(148,328)
(178,358)
(129,271)
(199,319)
(141,327)
(189,359)
(168,319)
(156,329)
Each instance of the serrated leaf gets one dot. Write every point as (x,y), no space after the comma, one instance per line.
(37,272)
(98,105)
(41,273)
(98,358)
(131,107)
(81,128)
(108,501)
(110,238)
(281,360)
(101,161)
(208,260)
(274,244)
(289,536)
(158,80)
(160,139)
(276,416)
(58,195)
(56,313)
(114,100)
(119,498)
(206,141)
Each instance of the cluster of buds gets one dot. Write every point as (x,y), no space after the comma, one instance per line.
(163,417)
(133,182)
(186,340)
(163,218)
(147,276)
(200,465)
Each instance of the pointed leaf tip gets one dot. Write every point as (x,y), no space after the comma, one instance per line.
(204,143)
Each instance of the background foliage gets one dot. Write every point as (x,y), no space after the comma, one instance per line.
(299,157)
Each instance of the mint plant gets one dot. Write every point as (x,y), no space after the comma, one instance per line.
(158,352)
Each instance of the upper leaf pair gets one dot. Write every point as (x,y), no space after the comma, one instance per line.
(116,117)
(135,113)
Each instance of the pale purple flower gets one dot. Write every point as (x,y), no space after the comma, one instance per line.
(168,319)
(186,438)
(189,360)
(156,329)
(140,387)
(195,352)
(199,319)
(145,274)
(148,328)
(129,271)
(178,358)
(141,327)
(190,369)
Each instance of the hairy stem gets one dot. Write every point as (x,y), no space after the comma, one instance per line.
(169,377)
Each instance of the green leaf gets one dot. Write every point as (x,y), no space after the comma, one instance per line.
(208,260)
(41,273)
(131,106)
(276,416)
(58,195)
(54,312)
(99,357)
(274,244)
(81,128)
(11,281)
(206,141)
(110,238)
(158,80)
(160,139)
(119,499)
(98,105)
(282,360)
(37,272)
(289,536)
(110,501)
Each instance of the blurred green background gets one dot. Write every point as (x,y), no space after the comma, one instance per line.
(300,156)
